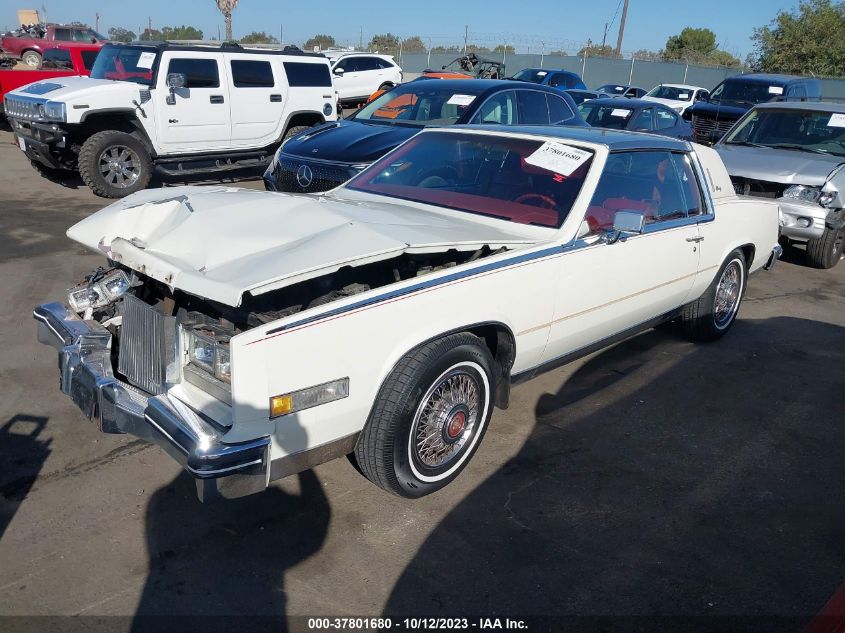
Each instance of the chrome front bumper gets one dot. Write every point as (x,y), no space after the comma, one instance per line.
(85,369)
(802,220)
(777,251)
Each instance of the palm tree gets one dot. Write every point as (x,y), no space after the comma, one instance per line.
(226,7)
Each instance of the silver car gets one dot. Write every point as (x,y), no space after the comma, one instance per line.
(794,152)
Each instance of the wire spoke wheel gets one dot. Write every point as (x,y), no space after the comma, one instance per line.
(728,293)
(446,418)
(120,166)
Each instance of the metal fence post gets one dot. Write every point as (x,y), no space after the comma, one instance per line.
(584,66)
(631,74)
(686,69)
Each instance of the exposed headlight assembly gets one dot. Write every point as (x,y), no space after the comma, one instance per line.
(54,111)
(101,289)
(208,349)
(810,194)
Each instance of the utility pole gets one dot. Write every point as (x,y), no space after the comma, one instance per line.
(466,36)
(604,37)
(281,35)
(622,28)
(97,22)
(360,38)
(150,26)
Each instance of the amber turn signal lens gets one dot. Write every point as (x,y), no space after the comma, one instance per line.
(280,405)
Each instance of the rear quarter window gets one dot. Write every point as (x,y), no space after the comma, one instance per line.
(88,59)
(304,75)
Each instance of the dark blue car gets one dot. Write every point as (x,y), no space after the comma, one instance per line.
(635,115)
(561,79)
(325,156)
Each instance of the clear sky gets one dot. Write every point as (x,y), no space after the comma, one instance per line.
(561,24)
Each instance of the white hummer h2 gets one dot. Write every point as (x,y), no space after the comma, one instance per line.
(181,109)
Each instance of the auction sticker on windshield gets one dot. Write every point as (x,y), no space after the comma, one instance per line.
(775,90)
(836,120)
(557,157)
(145,60)
(461,100)
(22,143)
(620,112)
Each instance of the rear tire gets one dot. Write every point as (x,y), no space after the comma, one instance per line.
(429,417)
(826,251)
(32,59)
(293,131)
(114,164)
(713,314)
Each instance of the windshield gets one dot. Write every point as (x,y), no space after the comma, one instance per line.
(671,92)
(608,116)
(745,92)
(517,180)
(531,74)
(418,103)
(125,64)
(612,89)
(803,130)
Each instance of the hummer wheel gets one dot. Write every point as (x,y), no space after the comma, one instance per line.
(114,164)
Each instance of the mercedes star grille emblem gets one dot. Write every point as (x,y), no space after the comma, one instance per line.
(304,176)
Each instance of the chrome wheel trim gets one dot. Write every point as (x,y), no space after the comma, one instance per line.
(462,389)
(119,166)
(728,294)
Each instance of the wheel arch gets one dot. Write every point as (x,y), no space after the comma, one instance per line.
(301,117)
(119,119)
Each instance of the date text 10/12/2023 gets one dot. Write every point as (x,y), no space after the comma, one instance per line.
(415,624)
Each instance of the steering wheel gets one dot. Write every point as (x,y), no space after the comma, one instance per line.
(546,202)
(440,177)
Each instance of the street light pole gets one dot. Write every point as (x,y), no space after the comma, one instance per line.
(622,28)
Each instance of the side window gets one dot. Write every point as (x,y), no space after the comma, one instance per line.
(702,94)
(82,36)
(665,119)
(383,63)
(304,74)
(660,185)
(532,107)
(559,110)
(368,63)
(247,73)
(57,58)
(797,92)
(349,64)
(558,79)
(644,120)
(88,59)
(62,34)
(200,73)
(500,108)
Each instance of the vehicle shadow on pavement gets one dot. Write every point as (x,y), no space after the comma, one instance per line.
(23,452)
(212,565)
(661,479)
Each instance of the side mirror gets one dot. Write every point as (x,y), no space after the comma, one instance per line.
(175,81)
(339,72)
(626,223)
(93,40)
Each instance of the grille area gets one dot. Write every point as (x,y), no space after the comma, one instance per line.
(147,344)
(706,129)
(23,108)
(324,176)
(757,188)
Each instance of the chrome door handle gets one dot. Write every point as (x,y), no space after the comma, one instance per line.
(697,238)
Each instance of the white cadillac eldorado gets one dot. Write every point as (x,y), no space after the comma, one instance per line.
(253,335)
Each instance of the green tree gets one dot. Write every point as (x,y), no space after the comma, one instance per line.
(477,48)
(446,49)
(592,50)
(119,34)
(805,40)
(258,37)
(504,48)
(151,35)
(557,54)
(413,44)
(691,44)
(723,58)
(646,55)
(180,33)
(384,42)
(321,41)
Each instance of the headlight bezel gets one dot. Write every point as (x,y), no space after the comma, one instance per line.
(98,293)
(217,360)
(811,194)
(59,112)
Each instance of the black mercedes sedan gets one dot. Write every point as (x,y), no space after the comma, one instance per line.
(325,156)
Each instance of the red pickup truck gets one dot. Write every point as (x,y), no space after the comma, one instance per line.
(31,49)
(58,62)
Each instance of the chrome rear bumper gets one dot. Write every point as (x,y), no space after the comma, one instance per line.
(85,369)
(777,251)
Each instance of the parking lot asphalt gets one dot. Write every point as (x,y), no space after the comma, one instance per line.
(657,478)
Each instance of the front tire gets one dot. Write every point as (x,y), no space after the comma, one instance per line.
(114,164)
(32,59)
(826,251)
(713,314)
(429,417)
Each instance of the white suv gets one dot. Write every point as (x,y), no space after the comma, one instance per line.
(181,109)
(358,75)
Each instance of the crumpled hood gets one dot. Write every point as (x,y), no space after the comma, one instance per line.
(68,88)
(785,166)
(220,242)
(349,141)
